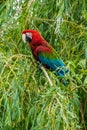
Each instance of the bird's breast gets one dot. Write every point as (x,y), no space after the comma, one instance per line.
(33,49)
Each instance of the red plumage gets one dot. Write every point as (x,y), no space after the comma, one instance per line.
(38,43)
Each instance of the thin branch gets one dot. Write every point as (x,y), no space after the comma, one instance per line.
(46,74)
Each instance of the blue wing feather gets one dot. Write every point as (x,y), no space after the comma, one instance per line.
(48,57)
(55,64)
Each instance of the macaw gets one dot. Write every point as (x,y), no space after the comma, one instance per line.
(44,52)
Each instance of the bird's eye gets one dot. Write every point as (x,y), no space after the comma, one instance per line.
(28,37)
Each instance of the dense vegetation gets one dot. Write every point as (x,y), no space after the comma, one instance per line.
(27,101)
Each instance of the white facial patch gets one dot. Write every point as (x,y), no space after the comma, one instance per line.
(24,37)
(29,35)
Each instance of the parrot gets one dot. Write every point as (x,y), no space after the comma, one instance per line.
(44,53)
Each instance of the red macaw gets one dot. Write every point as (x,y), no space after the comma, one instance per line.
(44,53)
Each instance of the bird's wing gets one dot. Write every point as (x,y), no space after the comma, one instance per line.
(48,57)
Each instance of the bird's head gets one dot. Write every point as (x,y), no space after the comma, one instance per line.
(30,36)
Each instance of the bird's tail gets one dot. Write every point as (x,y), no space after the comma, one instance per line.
(63,81)
(62,71)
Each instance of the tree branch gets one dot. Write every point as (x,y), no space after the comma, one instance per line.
(46,74)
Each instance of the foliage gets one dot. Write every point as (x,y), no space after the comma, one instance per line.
(27,101)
